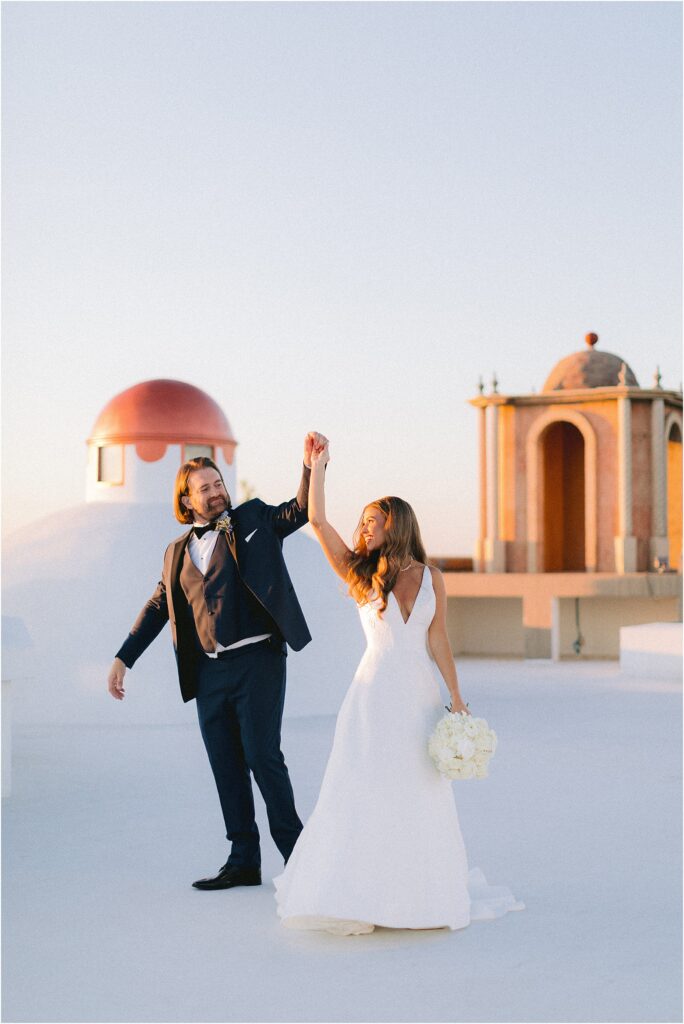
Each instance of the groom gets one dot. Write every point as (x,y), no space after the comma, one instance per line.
(232,607)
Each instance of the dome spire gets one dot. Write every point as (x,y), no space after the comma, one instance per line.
(591,339)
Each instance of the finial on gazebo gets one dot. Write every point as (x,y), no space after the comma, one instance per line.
(495,384)
(480,384)
(657,378)
(591,339)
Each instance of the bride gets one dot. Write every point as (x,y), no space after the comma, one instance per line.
(383,845)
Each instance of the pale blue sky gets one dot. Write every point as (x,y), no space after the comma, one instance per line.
(330,216)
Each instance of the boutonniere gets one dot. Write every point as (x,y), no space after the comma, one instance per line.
(224,524)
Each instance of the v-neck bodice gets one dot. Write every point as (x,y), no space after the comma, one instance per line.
(387,630)
(396,599)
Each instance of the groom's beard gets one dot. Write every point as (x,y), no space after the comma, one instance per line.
(212,509)
(217,506)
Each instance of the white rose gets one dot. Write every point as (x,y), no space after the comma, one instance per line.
(486,739)
(465,748)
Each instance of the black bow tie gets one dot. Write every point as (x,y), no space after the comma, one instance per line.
(199,531)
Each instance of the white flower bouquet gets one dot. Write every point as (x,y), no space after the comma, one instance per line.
(461,746)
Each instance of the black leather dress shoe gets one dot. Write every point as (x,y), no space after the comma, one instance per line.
(228,877)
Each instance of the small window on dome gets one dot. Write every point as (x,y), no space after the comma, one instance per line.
(110,464)
(196,451)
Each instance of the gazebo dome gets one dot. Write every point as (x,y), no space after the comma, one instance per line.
(156,413)
(144,434)
(590,369)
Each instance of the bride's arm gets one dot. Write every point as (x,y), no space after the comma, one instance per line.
(440,647)
(334,548)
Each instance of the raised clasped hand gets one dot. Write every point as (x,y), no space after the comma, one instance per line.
(313,442)
(320,454)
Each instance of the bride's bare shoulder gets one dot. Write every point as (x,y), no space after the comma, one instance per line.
(437,578)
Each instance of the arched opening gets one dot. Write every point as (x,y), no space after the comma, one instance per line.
(563,496)
(674,495)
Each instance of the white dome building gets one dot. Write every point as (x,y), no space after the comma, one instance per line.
(145,433)
(75,581)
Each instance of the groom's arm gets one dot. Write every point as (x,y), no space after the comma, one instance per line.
(291,515)
(148,625)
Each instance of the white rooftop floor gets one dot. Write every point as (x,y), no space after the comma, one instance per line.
(106,828)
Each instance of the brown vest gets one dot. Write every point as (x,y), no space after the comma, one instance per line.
(222,608)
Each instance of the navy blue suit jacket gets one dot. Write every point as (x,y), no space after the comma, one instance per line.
(259,531)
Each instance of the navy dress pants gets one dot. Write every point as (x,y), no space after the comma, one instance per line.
(240,699)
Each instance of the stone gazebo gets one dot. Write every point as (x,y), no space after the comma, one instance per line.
(583,477)
(580,514)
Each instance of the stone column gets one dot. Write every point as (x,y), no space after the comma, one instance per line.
(556,622)
(625,542)
(495,552)
(537,623)
(481,542)
(659,540)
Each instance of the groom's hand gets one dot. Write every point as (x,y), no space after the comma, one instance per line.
(311,441)
(116,677)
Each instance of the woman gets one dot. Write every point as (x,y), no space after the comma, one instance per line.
(383,845)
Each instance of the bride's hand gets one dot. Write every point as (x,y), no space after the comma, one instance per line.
(320,454)
(458,705)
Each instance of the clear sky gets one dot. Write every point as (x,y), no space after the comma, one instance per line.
(330,216)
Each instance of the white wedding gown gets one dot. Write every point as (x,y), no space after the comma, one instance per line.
(383,845)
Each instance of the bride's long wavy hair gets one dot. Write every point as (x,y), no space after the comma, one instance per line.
(372,574)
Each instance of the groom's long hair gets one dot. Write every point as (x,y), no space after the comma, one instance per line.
(372,574)
(182,486)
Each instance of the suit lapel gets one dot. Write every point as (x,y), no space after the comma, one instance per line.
(230,541)
(174,574)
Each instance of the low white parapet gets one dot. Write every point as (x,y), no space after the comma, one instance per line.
(653,649)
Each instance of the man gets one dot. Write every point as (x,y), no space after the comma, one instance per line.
(232,607)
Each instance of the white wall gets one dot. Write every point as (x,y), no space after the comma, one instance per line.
(78,581)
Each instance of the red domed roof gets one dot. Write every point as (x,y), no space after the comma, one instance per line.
(167,411)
